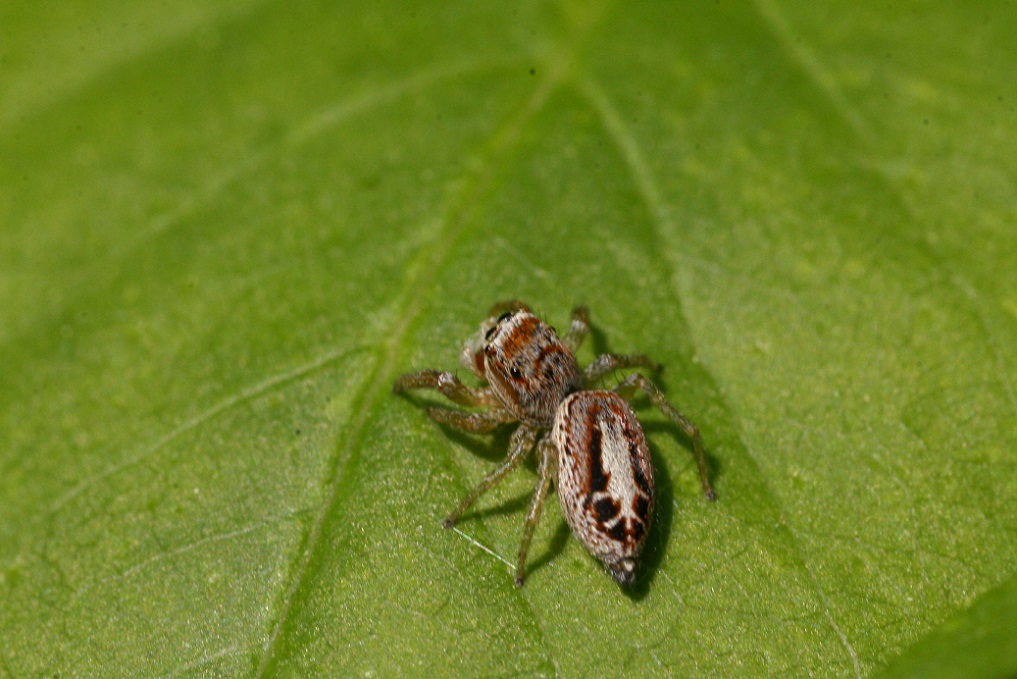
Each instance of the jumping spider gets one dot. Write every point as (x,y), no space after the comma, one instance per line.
(595,444)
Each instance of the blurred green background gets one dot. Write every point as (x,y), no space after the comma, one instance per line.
(226,228)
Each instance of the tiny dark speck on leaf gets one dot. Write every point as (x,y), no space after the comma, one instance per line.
(533,71)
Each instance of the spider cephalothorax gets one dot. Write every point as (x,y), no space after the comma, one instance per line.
(529,369)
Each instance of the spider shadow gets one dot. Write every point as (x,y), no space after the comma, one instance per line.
(490,446)
(598,341)
(555,546)
(659,538)
(495,450)
(493,447)
(714,467)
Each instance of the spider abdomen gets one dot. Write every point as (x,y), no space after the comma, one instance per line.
(605,477)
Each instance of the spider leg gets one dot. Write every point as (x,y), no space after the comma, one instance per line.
(579,328)
(448,384)
(519,447)
(605,363)
(475,422)
(547,453)
(637,381)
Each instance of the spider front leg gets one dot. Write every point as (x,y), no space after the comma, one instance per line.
(636,381)
(448,384)
(579,328)
(606,363)
(548,455)
(520,444)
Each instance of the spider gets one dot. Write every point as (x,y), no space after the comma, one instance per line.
(592,440)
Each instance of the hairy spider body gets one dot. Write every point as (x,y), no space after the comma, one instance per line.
(594,445)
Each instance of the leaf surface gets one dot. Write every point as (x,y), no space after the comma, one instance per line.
(228,229)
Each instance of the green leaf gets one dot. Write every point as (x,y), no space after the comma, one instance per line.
(228,228)
(972,644)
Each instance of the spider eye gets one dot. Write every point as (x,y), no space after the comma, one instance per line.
(515,373)
(490,332)
(505,316)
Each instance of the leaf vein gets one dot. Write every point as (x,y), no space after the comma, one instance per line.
(265,386)
(421,274)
